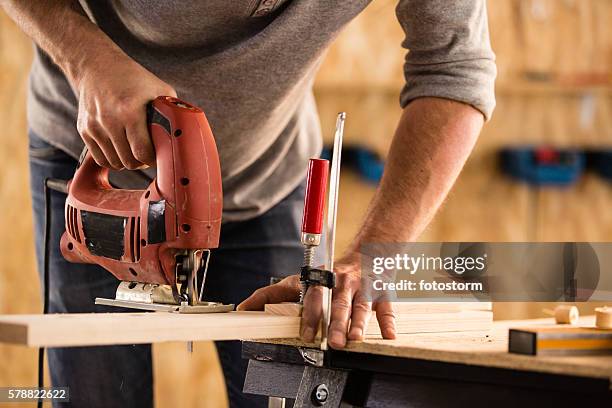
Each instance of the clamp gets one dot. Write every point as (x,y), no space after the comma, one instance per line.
(312,224)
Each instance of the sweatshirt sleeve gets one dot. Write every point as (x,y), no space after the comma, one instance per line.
(449,52)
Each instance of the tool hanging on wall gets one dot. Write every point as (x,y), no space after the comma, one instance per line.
(600,161)
(542,166)
(367,163)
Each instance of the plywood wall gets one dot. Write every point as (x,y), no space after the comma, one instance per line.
(565,44)
(19,286)
(554,87)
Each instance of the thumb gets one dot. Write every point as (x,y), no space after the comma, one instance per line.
(287,290)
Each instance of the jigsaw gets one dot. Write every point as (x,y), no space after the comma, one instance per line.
(156,241)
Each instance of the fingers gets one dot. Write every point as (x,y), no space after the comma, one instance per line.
(139,140)
(386,319)
(137,131)
(115,128)
(362,312)
(106,139)
(311,313)
(115,120)
(101,147)
(346,285)
(124,152)
(112,110)
(287,290)
(107,148)
(95,151)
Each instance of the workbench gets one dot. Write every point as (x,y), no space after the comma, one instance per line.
(427,370)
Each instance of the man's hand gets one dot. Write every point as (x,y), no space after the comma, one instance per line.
(113,89)
(351,308)
(113,94)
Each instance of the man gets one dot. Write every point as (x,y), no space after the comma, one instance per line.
(250,65)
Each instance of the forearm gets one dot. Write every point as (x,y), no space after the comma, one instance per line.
(63,32)
(432,142)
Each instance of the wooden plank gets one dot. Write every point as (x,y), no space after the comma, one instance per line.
(88,329)
(489,350)
(63,330)
(294,309)
(413,317)
(283,309)
(462,321)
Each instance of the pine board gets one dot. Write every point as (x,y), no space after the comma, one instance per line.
(419,317)
(89,329)
(293,309)
(65,330)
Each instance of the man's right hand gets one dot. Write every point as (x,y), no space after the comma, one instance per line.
(113,93)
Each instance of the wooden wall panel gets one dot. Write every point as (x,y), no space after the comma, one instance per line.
(567,43)
(366,53)
(19,287)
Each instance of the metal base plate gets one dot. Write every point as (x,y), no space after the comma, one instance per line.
(203,307)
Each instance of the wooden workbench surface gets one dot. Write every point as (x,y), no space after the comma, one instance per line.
(482,349)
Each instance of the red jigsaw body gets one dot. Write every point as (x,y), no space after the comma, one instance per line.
(136,234)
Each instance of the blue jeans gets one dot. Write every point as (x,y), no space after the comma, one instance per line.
(250,253)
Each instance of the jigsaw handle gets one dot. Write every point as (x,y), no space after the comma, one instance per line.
(135,234)
(91,175)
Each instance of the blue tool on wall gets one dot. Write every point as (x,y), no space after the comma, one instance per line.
(368,164)
(536,165)
(600,161)
(542,166)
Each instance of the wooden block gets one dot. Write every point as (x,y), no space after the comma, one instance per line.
(476,306)
(411,323)
(97,329)
(295,309)
(434,307)
(415,317)
(284,309)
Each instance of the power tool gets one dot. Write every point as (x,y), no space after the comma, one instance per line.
(600,161)
(542,166)
(156,241)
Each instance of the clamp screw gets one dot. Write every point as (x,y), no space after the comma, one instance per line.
(320,394)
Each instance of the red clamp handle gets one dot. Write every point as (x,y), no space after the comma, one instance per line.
(314,201)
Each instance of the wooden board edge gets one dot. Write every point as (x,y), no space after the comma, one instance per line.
(294,309)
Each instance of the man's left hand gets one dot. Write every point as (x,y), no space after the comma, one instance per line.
(351,309)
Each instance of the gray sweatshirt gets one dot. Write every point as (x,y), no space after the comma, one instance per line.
(250,65)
